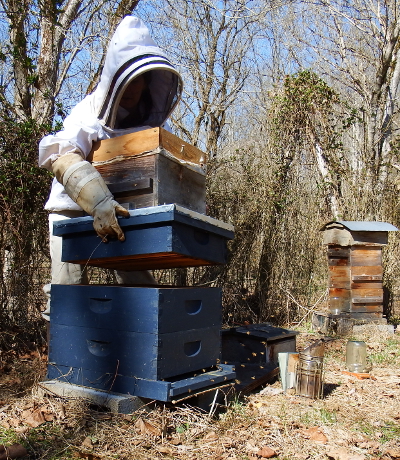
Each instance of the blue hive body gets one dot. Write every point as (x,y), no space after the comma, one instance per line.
(153,342)
(137,332)
(166,236)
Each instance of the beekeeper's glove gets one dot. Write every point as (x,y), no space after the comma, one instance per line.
(84,184)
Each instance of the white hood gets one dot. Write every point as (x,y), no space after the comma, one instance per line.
(133,52)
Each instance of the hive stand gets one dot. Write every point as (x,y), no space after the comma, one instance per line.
(160,343)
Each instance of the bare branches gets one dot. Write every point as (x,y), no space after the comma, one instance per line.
(17,14)
(45,42)
(212,43)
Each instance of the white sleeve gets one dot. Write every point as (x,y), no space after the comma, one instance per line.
(76,136)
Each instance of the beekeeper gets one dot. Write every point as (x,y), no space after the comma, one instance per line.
(138,89)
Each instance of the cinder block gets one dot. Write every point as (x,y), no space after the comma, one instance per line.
(134,354)
(157,237)
(115,402)
(373,328)
(147,310)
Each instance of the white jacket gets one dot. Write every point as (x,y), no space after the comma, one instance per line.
(131,52)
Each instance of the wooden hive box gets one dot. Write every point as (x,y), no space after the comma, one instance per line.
(158,237)
(147,332)
(354,252)
(160,342)
(150,168)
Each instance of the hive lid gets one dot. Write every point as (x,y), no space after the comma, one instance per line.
(361,226)
(265,331)
(147,216)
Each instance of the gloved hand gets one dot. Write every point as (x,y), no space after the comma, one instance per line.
(86,187)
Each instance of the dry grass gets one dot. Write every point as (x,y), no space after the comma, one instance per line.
(356,419)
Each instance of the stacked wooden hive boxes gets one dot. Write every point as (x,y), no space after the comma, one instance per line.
(355,268)
(157,342)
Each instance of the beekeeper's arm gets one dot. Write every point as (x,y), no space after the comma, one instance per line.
(64,154)
(86,187)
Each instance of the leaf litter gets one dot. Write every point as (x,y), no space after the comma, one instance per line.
(356,420)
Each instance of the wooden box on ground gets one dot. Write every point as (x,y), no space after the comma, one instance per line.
(150,168)
(158,237)
(354,252)
(256,343)
(253,350)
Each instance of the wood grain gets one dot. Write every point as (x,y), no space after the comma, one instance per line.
(145,141)
(366,256)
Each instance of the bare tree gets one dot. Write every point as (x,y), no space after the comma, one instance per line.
(51,52)
(356,45)
(212,42)
(45,40)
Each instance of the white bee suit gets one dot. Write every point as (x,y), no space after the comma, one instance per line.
(132,53)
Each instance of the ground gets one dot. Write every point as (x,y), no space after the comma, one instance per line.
(355,419)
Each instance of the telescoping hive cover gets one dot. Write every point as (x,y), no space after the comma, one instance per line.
(167,236)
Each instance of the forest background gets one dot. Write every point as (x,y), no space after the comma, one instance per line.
(295,102)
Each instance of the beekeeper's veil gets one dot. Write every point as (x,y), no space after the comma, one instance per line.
(132,52)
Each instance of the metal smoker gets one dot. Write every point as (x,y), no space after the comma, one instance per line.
(309,373)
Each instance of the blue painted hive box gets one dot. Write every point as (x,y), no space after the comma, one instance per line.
(132,332)
(167,236)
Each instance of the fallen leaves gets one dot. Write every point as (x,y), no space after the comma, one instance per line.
(86,455)
(165,450)
(211,436)
(32,415)
(175,440)
(87,443)
(144,427)
(266,452)
(11,452)
(389,379)
(342,453)
(393,452)
(368,444)
(315,434)
(33,419)
(34,354)
(36,417)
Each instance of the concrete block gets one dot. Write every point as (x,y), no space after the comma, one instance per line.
(371,328)
(115,402)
